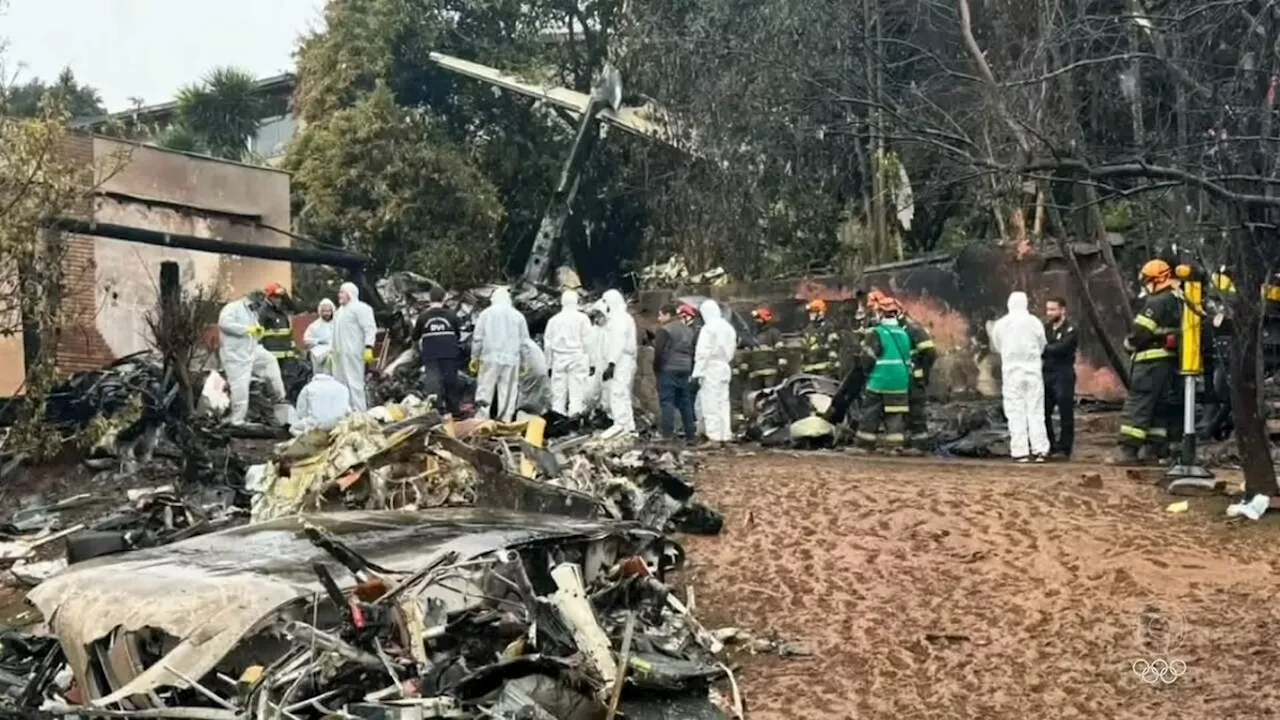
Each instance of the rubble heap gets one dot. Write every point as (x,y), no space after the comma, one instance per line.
(404,456)
(399,565)
(446,613)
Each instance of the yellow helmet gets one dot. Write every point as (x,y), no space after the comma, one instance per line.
(1222,282)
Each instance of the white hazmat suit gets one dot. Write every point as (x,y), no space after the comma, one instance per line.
(713,369)
(595,358)
(243,357)
(496,344)
(1019,339)
(567,338)
(321,404)
(535,385)
(619,344)
(318,338)
(353,330)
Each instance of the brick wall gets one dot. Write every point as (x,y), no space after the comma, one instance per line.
(80,344)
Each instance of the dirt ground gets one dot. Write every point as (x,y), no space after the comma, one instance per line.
(965,590)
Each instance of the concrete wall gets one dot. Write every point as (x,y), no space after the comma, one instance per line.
(113,284)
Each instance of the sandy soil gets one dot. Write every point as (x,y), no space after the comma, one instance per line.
(985,590)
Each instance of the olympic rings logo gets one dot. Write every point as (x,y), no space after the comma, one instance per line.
(1159,671)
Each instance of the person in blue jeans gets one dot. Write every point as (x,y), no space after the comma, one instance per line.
(672,364)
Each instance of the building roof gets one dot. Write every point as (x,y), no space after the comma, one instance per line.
(274,84)
(192,155)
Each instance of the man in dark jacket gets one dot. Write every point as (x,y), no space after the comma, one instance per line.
(1059,358)
(436,333)
(673,346)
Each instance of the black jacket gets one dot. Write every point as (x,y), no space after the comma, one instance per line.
(436,333)
(1060,353)
(673,347)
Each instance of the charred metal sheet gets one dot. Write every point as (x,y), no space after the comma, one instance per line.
(497,488)
(210,592)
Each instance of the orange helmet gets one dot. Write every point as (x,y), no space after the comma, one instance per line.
(1156,270)
(817,305)
(889,305)
(763,314)
(274,289)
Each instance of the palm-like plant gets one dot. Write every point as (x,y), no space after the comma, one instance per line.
(222,112)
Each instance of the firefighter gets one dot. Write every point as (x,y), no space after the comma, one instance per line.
(821,342)
(869,311)
(886,353)
(1150,417)
(274,316)
(923,355)
(765,363)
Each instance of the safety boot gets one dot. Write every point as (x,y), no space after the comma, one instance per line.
(1124,455)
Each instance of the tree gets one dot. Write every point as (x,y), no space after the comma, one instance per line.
(518,145)
(384,181)
(79,101)
(38,185)
(218,116)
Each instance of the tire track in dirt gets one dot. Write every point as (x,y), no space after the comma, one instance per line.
(947,590)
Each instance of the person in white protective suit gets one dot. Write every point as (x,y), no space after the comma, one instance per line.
(318,337)
(321,404)
(354,334)
(496,344)
(712,371)
(535,380)
(566,340)
(595,356)
(619,357)
(243,356)
(1019,339)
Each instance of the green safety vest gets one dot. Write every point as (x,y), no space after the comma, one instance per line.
(892,373)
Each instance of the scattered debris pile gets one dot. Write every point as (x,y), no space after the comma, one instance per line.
(973,429)
(791,413)
(675,273)
(117,411)
(149,518)
(444,613)
(406,457)
(129,417)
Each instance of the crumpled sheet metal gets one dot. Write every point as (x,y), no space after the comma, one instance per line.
(358,440)
(212,591)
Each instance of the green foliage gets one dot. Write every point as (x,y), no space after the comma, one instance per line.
(518,146)
(217,116)
(383,181)
(78,101)
(179,137)
(38,184)
(1117,216)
